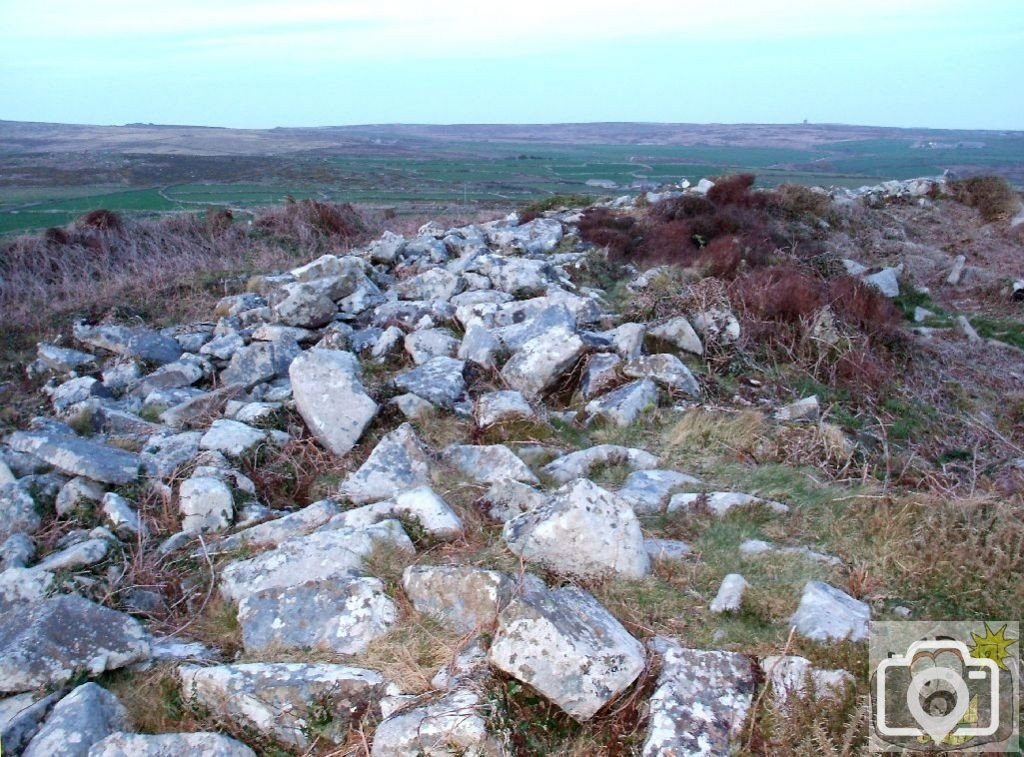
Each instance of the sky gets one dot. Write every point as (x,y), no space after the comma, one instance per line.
(259,64)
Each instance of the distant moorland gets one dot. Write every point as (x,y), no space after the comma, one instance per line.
(51,173)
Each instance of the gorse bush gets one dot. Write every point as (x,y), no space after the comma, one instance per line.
(994,198)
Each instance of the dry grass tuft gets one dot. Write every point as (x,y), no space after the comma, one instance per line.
(413,652)
(713,431)
(993,196)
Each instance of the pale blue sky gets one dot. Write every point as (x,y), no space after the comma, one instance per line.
(934,63)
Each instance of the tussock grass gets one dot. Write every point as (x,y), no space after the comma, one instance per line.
(413,652)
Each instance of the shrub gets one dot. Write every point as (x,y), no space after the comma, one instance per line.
(795,202)
(781,293)
(602,227)
(102,220)
(534,209)
(681,208)
(732,190)
(863,306)
(993,196)
(670,242)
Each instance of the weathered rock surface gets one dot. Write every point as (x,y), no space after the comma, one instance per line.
(568,647)
(320,556)
(467,598)
(201,744)
(701,702)
(580,463)
(438,380)
(582,530)
(88,714)
(623,406)
(730,594)
(20,717)
(53,640)
(341,615)
(232,438)
(421,505)
(788,676)
(206,504)
(487,464)
(539,363)
(828,614)
(719,503)
(454,724)
(398,462)
(18,512)
(648,491)
(281,699)
(330,397)
(79,457)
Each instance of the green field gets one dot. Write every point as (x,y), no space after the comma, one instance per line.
(478,172)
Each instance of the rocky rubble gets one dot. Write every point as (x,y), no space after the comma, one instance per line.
(407,327)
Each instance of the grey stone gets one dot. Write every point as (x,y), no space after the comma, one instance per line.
(55,639)
(18,513)
(788,676)
(164,454)
(65,360)
(539,364)
(20,717)
(142,343)
(730,594)
(22,586)
(259,362)
(886,281)
(319,556)
(648,491)
(330,398)
(719,503)
(582,530)
(201,744)
(568,647)
(507,499)
(579,464)
(701,703)
(184,372)
(199,409)
(438,380)
(454,724)
(679,333)
(16,551)
(257,412)
(624,405)
(386,249)
(628,339)
(829,614)
(282,699)
(79,457)
(502,406)
(223,347)
(413,407)
(305,304)
(601,374)
(206,504)
(74,391)
(667,549)
(421,505)
(538,237)
(665,369)
(432,284)
(88,714)
(466,598)
(232,438)
(80,555)
(516,334)
(398,462)
(387,343)
(273,532)
(478,345)
(806,409)
(430,343)
(487,464)
(716,326)
(340,615)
